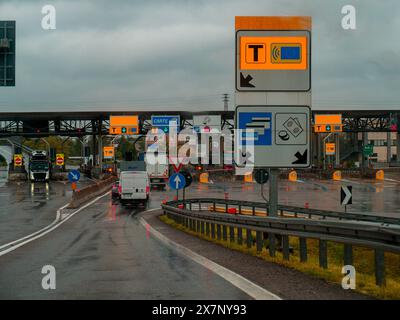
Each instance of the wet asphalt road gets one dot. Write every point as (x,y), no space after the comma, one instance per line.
(26,207)
(105,253)
(380,198)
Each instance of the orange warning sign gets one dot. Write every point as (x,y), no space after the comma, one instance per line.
(330,148)
(108,152)
(273,23)
(273,53)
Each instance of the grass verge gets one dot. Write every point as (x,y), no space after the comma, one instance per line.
(363,261)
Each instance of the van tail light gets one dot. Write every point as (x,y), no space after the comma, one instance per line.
(147,189)
(119,189)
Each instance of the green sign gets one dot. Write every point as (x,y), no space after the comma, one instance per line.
(368,150)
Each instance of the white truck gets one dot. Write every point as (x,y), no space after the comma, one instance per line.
(134,187)
(158,173)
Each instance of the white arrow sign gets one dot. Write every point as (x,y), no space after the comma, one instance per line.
(346,195)
(177,181)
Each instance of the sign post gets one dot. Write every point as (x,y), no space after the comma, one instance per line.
(346,196)
(273,93)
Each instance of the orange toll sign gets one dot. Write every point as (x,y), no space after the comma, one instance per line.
(124,125)
(108,152)
(273,53)
(330,149)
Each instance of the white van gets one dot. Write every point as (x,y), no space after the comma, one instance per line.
(134,187)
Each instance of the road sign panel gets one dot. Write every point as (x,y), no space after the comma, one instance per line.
(164,122)
(280,134)
(206,123)
(18,160)
(346,195)
(188,178)
(273,53)
(60,159)
(272,60)
(74,175)
(327,119)
(124,125)
(108,152)
(177,181)
(330,149)
(368,150)
(261,176)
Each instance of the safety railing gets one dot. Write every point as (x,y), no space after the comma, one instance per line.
(201,216)
(283,210)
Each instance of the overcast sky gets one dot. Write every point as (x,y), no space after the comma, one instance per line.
(179,55)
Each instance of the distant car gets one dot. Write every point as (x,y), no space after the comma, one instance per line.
(115,191)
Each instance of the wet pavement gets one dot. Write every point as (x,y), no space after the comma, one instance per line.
(27,207)
(105,253)
(380,198)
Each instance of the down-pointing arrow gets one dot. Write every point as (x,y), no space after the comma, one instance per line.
(301,158)
(245,81)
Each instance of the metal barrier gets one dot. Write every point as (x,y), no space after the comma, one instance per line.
(378,236)
(288,211)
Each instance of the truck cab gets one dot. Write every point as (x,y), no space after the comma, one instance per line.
(39,166)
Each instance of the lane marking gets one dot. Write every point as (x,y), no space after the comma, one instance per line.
(247,286)
(46,230)
(58,215)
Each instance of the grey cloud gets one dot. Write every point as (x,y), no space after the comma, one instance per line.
(180,54)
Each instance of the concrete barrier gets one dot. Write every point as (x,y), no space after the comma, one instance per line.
(337,175)
(204,178)
(380,175)
(292,176)
(248,178)
(90,192)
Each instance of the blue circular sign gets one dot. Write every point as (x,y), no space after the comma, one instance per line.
(74,175)
(177,181)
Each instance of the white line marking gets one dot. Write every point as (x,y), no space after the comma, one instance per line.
(249,287)
(48,229)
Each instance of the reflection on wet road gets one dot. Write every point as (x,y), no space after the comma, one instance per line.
(105,253)
(27,207)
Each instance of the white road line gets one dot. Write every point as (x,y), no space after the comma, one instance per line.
(37,232)
(46,230)
(247,286)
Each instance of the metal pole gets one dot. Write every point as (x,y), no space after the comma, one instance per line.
(324,148)
(337,150)
(389,147)
(273,192)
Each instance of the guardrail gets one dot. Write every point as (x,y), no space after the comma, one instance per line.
(89,192)
(378,236)
(286,211)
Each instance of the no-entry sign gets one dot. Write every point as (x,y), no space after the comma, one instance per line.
(17,160)
(60,159)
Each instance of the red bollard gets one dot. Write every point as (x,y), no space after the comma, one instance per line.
(306,205)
